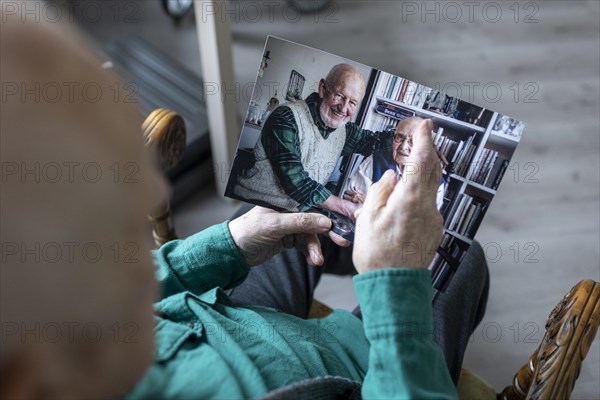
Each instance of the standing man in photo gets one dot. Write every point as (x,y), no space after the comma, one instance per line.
(301,143)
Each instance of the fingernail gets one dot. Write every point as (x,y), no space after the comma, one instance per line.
(315,257)
(324,222)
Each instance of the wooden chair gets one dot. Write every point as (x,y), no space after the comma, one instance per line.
(570,330)
(552,369)
(164,135)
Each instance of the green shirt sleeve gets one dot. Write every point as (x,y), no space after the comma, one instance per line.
(279,138)
(404,361)
(201,262)
(365,142)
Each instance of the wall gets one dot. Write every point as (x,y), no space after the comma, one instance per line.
(286,56)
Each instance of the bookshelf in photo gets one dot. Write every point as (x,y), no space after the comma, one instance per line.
(477,143)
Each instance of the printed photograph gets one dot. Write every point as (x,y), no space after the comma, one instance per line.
(321,129)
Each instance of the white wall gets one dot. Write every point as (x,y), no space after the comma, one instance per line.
(286,56)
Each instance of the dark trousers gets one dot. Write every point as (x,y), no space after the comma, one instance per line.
(287,283)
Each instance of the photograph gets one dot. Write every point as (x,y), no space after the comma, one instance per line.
(342,124)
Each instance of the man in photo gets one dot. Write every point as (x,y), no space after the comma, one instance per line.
(301,143)
(373,167)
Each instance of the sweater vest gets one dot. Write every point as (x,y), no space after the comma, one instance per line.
(317,155)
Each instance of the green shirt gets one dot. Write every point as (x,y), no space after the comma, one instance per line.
(206,348)
(279,138)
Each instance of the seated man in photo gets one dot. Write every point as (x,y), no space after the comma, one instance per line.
(373,167)
(108,323)
(301,143)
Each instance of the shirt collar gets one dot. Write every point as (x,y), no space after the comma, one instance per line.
(314,102)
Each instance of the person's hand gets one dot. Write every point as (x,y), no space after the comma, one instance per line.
(354,197)
(262,233)
(399,224)
(339,205)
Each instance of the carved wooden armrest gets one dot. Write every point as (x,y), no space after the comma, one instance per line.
(554,366)
(164,135)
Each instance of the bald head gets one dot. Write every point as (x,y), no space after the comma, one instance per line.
(341,92)
(68,216)
(341,74)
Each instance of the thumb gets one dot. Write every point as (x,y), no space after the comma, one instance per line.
(379,192)
(422,172)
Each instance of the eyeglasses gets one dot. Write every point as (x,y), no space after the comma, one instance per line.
(339,97)
(401,137)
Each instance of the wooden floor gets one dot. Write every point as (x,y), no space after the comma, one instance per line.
(548,207)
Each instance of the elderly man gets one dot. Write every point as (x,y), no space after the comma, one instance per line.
(95,324)
(373,167)
(301,142)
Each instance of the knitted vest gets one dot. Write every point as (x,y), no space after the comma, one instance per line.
(317,154)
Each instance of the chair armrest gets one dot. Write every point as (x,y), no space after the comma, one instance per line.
(164,135)
(555,365)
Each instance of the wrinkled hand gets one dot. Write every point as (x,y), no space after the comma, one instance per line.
(339,205)
(354,197)
(262,233)
(399,224)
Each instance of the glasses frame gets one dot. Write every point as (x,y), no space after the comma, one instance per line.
(339,97)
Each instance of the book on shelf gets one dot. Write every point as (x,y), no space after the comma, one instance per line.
(500,175)
(458,153)
(463,214)
(381,123)
(466,215)
(438,134)
(480,209)
(449,222)
(459,213)
(451,149)
(393,111)
(489,169)
(464,160)
(402,90)
(478,167)
(390,88)
(449,196)
(494,171)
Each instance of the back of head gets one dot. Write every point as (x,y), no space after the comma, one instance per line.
(68,212)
